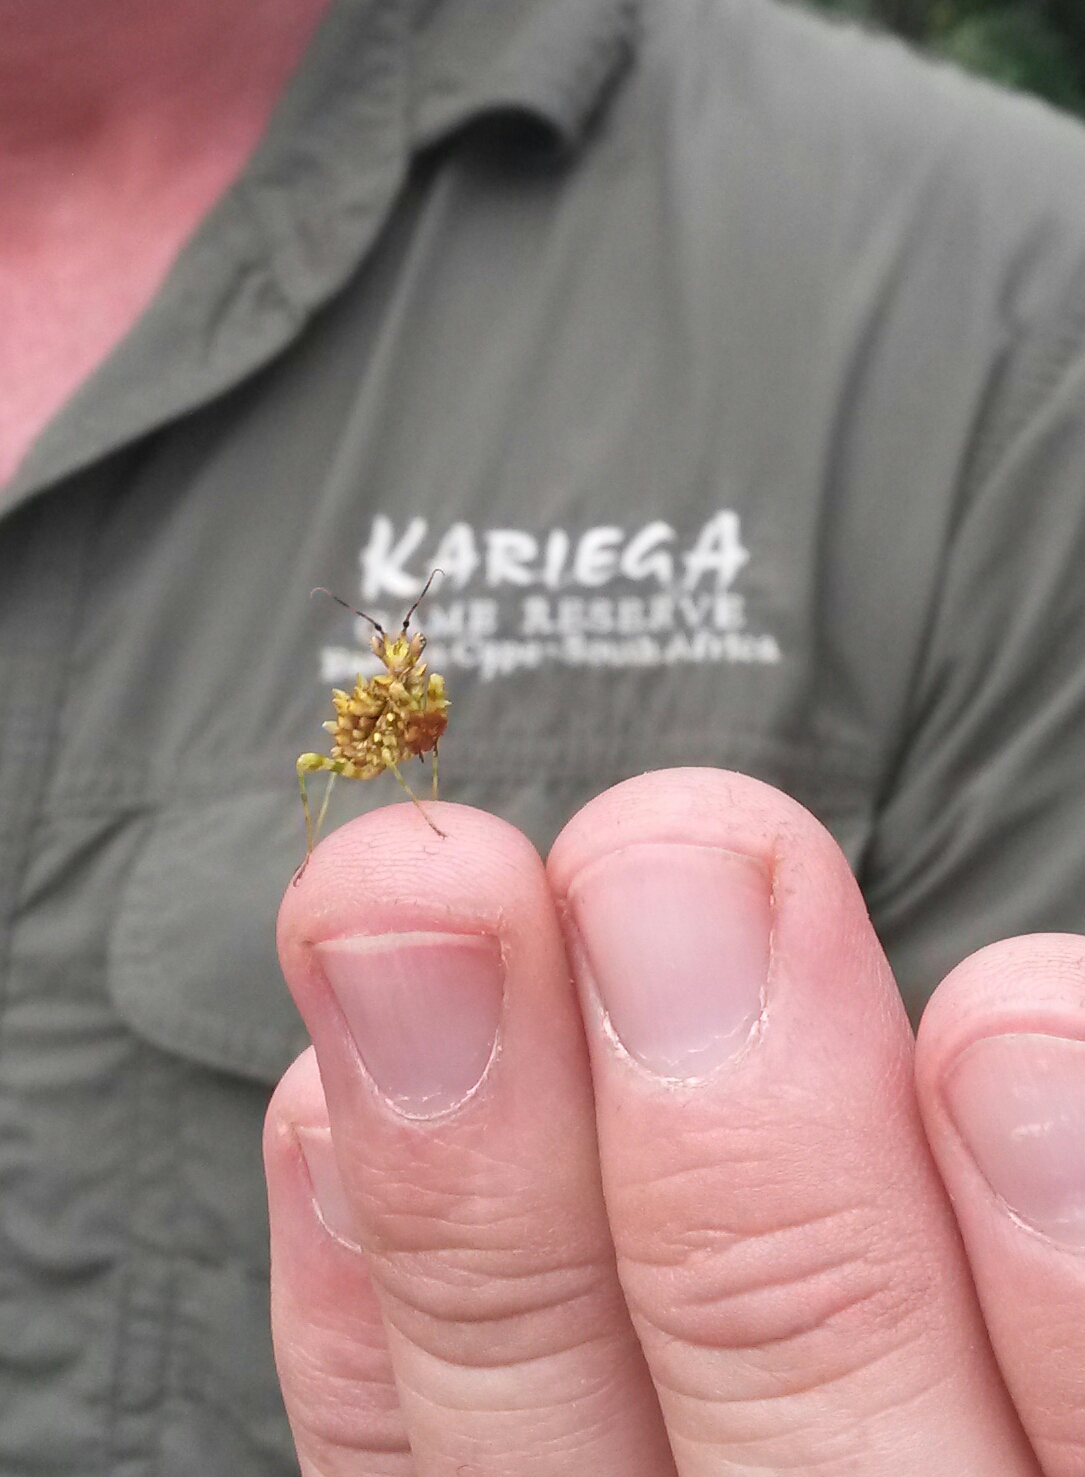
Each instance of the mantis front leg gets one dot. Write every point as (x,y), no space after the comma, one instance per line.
(309,764)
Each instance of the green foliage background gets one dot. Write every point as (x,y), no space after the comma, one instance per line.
(1036,45)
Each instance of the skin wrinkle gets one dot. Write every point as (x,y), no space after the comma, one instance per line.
(687,1409)
(512,1338)
(600,1381)
(467,1165)
(727,1243)
(717,1327)
(446,1292)
(512,1273)
(448,1211)
(323,1458)
(804,1223)
(529,1441)
(358,1344)
(328,1403)
(323,1395)
(645,1193)
(355,1347)
(339,1442)
(899,1305)
(639,1201)
(505,1344)
(593,1396)
(793,1394)
(441,1236)
(767,1340)
(701,1267)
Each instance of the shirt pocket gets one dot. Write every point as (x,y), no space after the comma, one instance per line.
(192,961)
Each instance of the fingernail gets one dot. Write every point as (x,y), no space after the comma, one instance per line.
(1018,1102)
(328,1194)
(677,942)
(423,1009)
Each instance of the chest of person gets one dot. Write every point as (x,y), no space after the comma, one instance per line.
(632,546)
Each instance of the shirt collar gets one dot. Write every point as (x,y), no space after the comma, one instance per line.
(550,59)
(381,80)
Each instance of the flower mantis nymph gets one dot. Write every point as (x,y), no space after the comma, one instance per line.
(392,716)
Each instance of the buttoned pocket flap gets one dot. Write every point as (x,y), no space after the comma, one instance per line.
(193,967)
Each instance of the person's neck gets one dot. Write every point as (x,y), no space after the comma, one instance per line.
(83,83)
(122,122)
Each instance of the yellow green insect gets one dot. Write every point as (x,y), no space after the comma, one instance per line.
(392,716)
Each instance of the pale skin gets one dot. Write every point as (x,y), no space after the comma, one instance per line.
(790,1263)
(121,124)
(582,1268)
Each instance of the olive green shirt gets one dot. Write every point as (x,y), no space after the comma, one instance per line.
(731,365)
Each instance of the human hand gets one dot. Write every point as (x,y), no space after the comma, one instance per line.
(701,1231)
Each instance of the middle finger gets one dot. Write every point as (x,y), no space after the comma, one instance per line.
(785,1245)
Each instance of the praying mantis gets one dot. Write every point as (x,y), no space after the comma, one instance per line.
(387,718)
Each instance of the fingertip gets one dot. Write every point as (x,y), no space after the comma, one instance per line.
(298,1094)
(1034,983)
(330,1347)
(311,1220)
(391,860)
(1000,1073)
(1000,1067)
(296,1103)
(825,961)
(388,873)
(692,806)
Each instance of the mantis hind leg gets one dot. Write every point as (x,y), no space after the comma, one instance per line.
(395,770)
